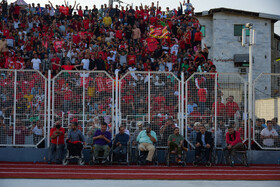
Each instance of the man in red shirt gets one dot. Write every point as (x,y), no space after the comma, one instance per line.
(197,37)
(55,61)
(234,143)
(57,143)
(202,95)
(220,108)
(231,107)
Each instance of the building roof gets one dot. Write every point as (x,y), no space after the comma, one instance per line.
(272,17)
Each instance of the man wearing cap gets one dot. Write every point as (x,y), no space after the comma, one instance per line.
(75,139)
(57,143)
(101,140)
(137,131)
(146,139)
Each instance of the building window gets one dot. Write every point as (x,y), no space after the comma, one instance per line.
(202,29)
(238,30)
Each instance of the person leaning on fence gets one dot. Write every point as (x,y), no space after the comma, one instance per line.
(234,143)
(204,141)
(175,144)
(75,140)
(57,143)
(146,139)
(120,144)
(101,139)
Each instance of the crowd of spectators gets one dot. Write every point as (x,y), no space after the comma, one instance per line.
(112,39)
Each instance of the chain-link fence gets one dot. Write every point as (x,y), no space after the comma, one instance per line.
(23,108)
(83,97)
(215,100)
(266,129)
(150,97)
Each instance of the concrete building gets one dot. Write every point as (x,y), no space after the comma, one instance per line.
(222,30)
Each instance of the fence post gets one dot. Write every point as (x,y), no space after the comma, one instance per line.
(15,106)
(246,112)
(84,102)
(215,118)
(117,102)
(49,107)
(182,104)
(186,110)
(149,97)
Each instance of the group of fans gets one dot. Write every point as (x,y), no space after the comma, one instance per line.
(115,40)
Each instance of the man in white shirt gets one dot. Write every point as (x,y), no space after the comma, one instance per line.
(85,63)
(268,135)
(36,62)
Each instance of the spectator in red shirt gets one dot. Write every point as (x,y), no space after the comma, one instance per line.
(197,37)
(202,95)
(220,108)
(55,61)
(21,132)
(231,107)
(57,143)
(234,143)
(195,114)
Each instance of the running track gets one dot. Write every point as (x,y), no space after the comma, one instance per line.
(45,171)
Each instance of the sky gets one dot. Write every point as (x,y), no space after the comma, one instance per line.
(264,6)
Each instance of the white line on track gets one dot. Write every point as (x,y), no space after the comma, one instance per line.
(130,169)
(181,174)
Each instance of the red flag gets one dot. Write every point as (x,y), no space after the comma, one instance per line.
(152,44)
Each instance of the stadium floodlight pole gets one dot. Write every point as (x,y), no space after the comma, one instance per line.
(249,26)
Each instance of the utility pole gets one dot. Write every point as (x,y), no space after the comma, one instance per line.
(251,42)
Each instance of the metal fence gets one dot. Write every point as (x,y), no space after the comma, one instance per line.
(85,97)
(23,108)
(215,100)
(150,97)
(266,129)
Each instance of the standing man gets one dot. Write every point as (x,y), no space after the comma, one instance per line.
(231,108)
(146,139)
(101,139)
(269,135)
(234,143)
(57,143)
(120,144)
(204,141)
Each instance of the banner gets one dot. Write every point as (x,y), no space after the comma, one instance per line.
(152,44)
(158,32)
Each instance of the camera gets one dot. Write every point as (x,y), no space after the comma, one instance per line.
(249,25)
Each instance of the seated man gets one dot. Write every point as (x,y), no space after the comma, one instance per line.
(101,139)
(75,140)
(234,143)
(204,142)
(269,135)
(57,143)
(120,144)
(175,144)
(146,139)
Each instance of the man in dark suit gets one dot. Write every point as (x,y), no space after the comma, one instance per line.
(204,141)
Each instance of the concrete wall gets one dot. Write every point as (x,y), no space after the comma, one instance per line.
(219,30)
(40,155)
